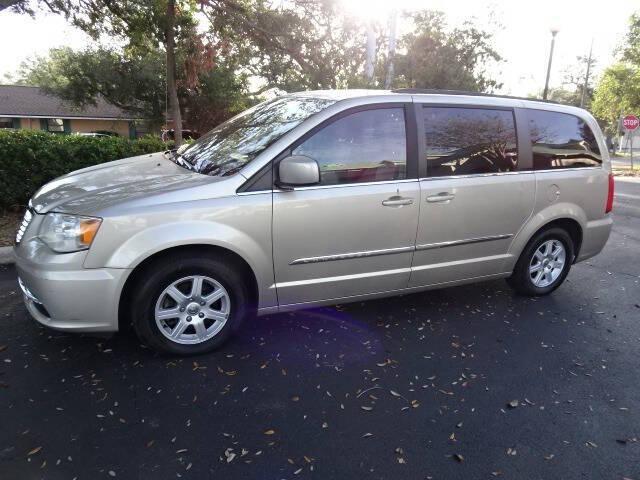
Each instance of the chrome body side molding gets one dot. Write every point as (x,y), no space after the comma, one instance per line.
(390,251)
(452,243)
(347,256)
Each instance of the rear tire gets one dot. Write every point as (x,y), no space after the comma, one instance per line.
(544,263)
(188,304)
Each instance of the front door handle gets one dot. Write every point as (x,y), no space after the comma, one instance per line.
(397,201)
(441,197)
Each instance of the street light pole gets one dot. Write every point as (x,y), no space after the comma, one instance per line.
(554,32)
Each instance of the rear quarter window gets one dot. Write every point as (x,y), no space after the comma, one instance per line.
(561,140)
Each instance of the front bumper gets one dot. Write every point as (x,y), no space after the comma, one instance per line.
(65,296)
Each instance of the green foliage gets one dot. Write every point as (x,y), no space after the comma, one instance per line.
(618,90)
(135,82)
(441,57)
(132,81)
(32,158)
(564,95)
(298,45)
(631,47)
(617,93)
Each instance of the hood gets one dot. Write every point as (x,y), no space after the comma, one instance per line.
(91,189)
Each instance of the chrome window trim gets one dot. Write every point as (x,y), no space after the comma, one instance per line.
(520,172)
(348,185)
(568,169)
(477,175)
(255,192)
(452,243)
(340,185)
(347,256)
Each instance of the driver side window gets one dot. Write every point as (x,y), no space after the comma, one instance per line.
(365,146)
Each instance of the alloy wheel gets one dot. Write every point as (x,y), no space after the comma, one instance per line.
(192,309)
(547,263)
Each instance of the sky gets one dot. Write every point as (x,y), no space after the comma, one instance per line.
(522,39)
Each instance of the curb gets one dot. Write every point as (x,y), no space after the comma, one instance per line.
(6,256)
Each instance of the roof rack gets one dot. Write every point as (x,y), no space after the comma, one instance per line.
(436,91)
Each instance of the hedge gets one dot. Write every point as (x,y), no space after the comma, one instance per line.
(29,159)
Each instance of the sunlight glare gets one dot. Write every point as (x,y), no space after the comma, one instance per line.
(371,10)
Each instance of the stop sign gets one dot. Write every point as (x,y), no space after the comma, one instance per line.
(630,122)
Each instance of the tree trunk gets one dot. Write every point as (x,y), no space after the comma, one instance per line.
(172,92)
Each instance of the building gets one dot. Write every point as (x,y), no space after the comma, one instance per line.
(23,107)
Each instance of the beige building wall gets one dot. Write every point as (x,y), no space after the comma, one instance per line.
(30,123)
(121,127)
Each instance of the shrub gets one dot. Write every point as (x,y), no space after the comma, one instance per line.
(29,159)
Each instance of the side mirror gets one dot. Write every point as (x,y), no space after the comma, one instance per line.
(298,170)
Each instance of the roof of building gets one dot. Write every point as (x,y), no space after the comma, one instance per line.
(25,101)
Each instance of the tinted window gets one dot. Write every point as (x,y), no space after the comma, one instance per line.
(233,144)
(367,146)
(560,140)
(465,141)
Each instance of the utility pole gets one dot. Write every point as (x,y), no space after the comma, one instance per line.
(392,48)
(586,77)
(554,32)
(371,53)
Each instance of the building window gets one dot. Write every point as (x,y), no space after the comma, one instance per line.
(55,125)
(6,122)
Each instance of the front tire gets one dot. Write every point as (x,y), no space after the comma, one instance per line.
(188,304)
(544,263)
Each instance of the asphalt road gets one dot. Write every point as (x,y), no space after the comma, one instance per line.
(415,387)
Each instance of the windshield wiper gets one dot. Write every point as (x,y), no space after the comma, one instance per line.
(178,159)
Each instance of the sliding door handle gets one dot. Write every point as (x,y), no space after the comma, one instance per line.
(441,197)
(397,201)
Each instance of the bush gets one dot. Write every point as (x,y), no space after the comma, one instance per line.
(29,159)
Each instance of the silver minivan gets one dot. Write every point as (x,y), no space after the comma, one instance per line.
(317,198)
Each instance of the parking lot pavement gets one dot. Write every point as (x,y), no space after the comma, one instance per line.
(469,382)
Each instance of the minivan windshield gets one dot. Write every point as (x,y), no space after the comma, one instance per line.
(233,144)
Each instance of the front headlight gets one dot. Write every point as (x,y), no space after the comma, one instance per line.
(68,233)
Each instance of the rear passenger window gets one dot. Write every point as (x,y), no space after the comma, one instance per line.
(366,146)
(467,141)
(561,140)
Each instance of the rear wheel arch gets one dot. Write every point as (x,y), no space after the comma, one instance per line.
(570,225)
(174,253)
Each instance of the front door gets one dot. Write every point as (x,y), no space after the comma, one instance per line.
(354,232)
(475,197)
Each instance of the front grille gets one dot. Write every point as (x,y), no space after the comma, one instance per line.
(26,220)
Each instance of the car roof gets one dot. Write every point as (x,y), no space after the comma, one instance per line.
(458,97)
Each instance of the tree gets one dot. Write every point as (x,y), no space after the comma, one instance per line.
(631,47)
(617,93)
(133,82)
(301,44)
(172,91)
(439,57)
(142,24)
